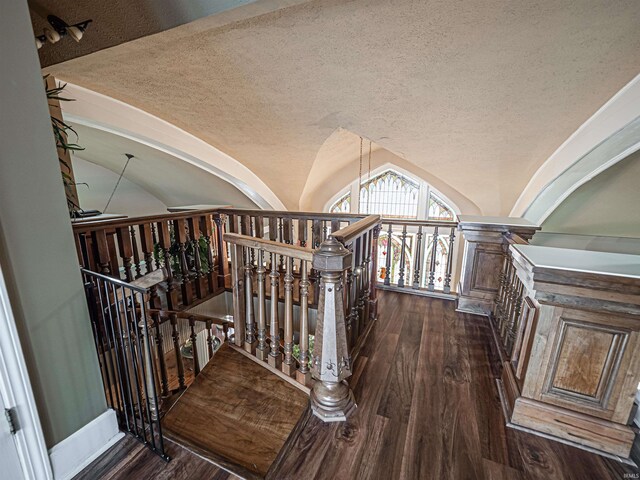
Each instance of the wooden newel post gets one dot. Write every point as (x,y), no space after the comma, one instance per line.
(331,398)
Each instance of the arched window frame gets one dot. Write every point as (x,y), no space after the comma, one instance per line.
(425,190)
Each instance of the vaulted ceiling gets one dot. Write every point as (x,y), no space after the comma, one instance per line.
(476,94)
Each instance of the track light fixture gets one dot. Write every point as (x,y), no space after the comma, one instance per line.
(59,29)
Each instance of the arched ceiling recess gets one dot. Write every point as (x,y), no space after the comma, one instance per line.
(480,95)
(116,118)
(337,165)
(607,137)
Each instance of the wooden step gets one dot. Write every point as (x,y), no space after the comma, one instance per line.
(236,414)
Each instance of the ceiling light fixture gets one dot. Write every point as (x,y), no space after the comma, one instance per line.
(59,28)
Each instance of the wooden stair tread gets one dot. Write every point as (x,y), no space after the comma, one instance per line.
(236,413)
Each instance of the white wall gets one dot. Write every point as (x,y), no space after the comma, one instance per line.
(130,199)
(37,249)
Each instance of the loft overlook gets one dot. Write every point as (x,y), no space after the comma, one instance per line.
(282,239)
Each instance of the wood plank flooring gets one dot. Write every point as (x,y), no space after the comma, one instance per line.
(129,460)
(428,408)
(236,413)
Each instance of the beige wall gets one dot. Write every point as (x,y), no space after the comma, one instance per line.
(607,205)
(37,250)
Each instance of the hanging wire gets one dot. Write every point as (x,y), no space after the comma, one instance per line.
(129,157)
(360,179)
(369,178)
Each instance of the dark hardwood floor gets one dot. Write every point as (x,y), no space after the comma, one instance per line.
(428,408)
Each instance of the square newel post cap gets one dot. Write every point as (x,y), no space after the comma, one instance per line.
(479,223)
(332,256)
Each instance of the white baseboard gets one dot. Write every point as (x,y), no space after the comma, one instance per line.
(78,450)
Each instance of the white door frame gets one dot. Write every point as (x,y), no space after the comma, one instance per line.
(16,391)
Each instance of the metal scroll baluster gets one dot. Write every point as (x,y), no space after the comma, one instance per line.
(447,277)
(387,274)
(417,261)
(275,357)
(403,254)
(432,263)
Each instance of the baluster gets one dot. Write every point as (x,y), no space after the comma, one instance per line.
(126,251)
(221,245)
(513,324)
(366,275)
(281,240)
(209,326)
(206,227)
(146,240)
(373,300)
(387,274)
(262,350)
(335,225)
(354,296)
(302,234)
(164,380)
(259,232)
(289,363)
(238,293)
(198,277)
(417,259)
(316,233)
(432,263)
(447,277)
(403,253)
(136,254)
(303,375)
(154,235)
(250,333)
(331,398)
(348,306)
(324,230)
(194,346)
(275,357)
(287,230)
(165,245)
(113,255)
(175,334)
(180,232)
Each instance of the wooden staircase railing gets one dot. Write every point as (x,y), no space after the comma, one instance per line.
(344,263)
(188,245)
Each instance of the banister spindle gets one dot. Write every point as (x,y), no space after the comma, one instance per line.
(250,332)
(289,363)
(198,276)
(206,227)
(175,335)
(303,375)
(136,254)
(373,300)
(387,275)
(209,327)
(432,263)
(417,259)
(403,253)
(154,236)
(180,232)
(262,350)
(165,246)
(331,398)
(194,345)
(221,246)
(126,251)
(164,380)
(238,293)
(447,277)
(275,357)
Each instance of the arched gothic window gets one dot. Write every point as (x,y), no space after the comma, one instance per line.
(391,195)
(342,205)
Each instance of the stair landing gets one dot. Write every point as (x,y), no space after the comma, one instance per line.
(236,414)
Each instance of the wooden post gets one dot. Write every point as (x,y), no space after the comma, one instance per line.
(331,398)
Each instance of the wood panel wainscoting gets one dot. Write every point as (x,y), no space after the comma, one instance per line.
(486,239)
(571,352)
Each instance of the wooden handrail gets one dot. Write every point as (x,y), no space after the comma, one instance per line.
(293,251)
(80,227)
(350,233)
(186,315)
(418,223)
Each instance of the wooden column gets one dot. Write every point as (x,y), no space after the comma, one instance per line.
(574,368)
(484,248)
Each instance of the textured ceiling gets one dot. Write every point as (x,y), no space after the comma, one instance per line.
(477,94)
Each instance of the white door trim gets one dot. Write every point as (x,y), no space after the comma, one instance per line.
(15,388)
